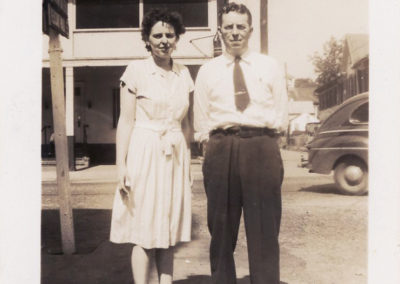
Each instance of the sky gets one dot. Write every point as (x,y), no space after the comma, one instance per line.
(298,28)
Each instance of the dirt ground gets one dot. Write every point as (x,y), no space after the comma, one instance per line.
(323,240)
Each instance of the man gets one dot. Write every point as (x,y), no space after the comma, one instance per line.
(240,104)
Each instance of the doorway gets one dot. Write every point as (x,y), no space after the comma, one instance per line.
(80,120)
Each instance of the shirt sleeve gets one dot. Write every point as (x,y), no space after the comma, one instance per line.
(201,107)
(281,99)
(129,78)
(189,80)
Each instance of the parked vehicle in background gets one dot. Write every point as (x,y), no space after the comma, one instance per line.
(341,144)
(311,130)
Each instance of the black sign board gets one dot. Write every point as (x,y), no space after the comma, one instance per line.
(55,16)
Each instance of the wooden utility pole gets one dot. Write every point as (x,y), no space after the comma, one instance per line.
(264,26)
(55,22)
(60,139)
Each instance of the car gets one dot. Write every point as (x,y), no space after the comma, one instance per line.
(340,145)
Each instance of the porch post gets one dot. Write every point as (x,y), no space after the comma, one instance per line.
(69,109)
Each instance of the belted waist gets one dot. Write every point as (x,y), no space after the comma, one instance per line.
(161,126)
(245,131)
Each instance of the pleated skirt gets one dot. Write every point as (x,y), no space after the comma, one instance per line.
(157,213)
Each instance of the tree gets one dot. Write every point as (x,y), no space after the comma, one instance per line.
(327,65)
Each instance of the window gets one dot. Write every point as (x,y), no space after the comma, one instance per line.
(322,103)
(194,12)
(100,14)
(77,91)
(116,106)
(97,14)
(340,94)
(362,76)
(353,85)
(366,81)
(361,114)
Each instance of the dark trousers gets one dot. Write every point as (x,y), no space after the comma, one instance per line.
(243,173)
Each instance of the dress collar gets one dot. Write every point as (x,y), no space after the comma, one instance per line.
(155,69)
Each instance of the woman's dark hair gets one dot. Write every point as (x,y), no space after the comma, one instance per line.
(156,15)
(233,7)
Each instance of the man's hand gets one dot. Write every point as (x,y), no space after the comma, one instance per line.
(204,147)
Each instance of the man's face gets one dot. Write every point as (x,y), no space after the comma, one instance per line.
(235,31)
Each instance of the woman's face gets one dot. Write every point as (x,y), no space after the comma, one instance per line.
(162,40)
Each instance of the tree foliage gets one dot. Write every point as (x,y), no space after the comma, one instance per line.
(327,65)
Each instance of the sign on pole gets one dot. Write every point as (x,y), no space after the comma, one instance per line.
(55,16)
(55,22)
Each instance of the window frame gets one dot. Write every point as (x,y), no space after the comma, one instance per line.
(103,29)
(141,15)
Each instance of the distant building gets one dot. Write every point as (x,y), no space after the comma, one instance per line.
(299,123)
(303,104)
(355,67)
(299,107)
(301,113)
(301,89)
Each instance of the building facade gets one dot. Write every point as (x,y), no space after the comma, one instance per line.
(104,36)
(355,78)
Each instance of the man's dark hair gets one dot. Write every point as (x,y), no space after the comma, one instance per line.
(155,15)
(234,7)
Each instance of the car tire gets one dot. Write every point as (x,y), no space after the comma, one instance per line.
(351,176)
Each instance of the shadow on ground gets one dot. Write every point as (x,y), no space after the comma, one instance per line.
(91,227)
(322,188)
(96,261)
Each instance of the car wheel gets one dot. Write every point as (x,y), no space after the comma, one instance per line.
(351,177)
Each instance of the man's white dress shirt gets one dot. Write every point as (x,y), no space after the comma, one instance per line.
(214,102)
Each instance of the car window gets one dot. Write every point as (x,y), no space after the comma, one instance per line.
(360,114)
(338,117)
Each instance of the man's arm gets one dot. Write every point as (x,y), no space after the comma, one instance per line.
(281,99)
(201,107)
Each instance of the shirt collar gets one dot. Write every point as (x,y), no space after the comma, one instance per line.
(154,69)
(245,57)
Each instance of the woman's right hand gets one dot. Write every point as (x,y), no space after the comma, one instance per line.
(123,180)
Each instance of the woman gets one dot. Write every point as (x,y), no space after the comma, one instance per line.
(153,157)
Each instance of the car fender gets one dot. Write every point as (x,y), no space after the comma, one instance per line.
(326,150)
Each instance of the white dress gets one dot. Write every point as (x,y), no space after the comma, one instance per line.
(158,211)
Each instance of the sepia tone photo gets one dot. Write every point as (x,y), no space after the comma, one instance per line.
(303,75)
(204,141)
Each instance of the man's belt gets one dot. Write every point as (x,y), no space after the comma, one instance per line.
(245,131)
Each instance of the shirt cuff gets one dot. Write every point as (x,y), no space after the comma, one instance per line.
(201,137)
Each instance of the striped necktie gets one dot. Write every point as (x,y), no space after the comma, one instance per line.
(242,98)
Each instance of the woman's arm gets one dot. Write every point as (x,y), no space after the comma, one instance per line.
(187,124)
(187,130)
(125,125)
